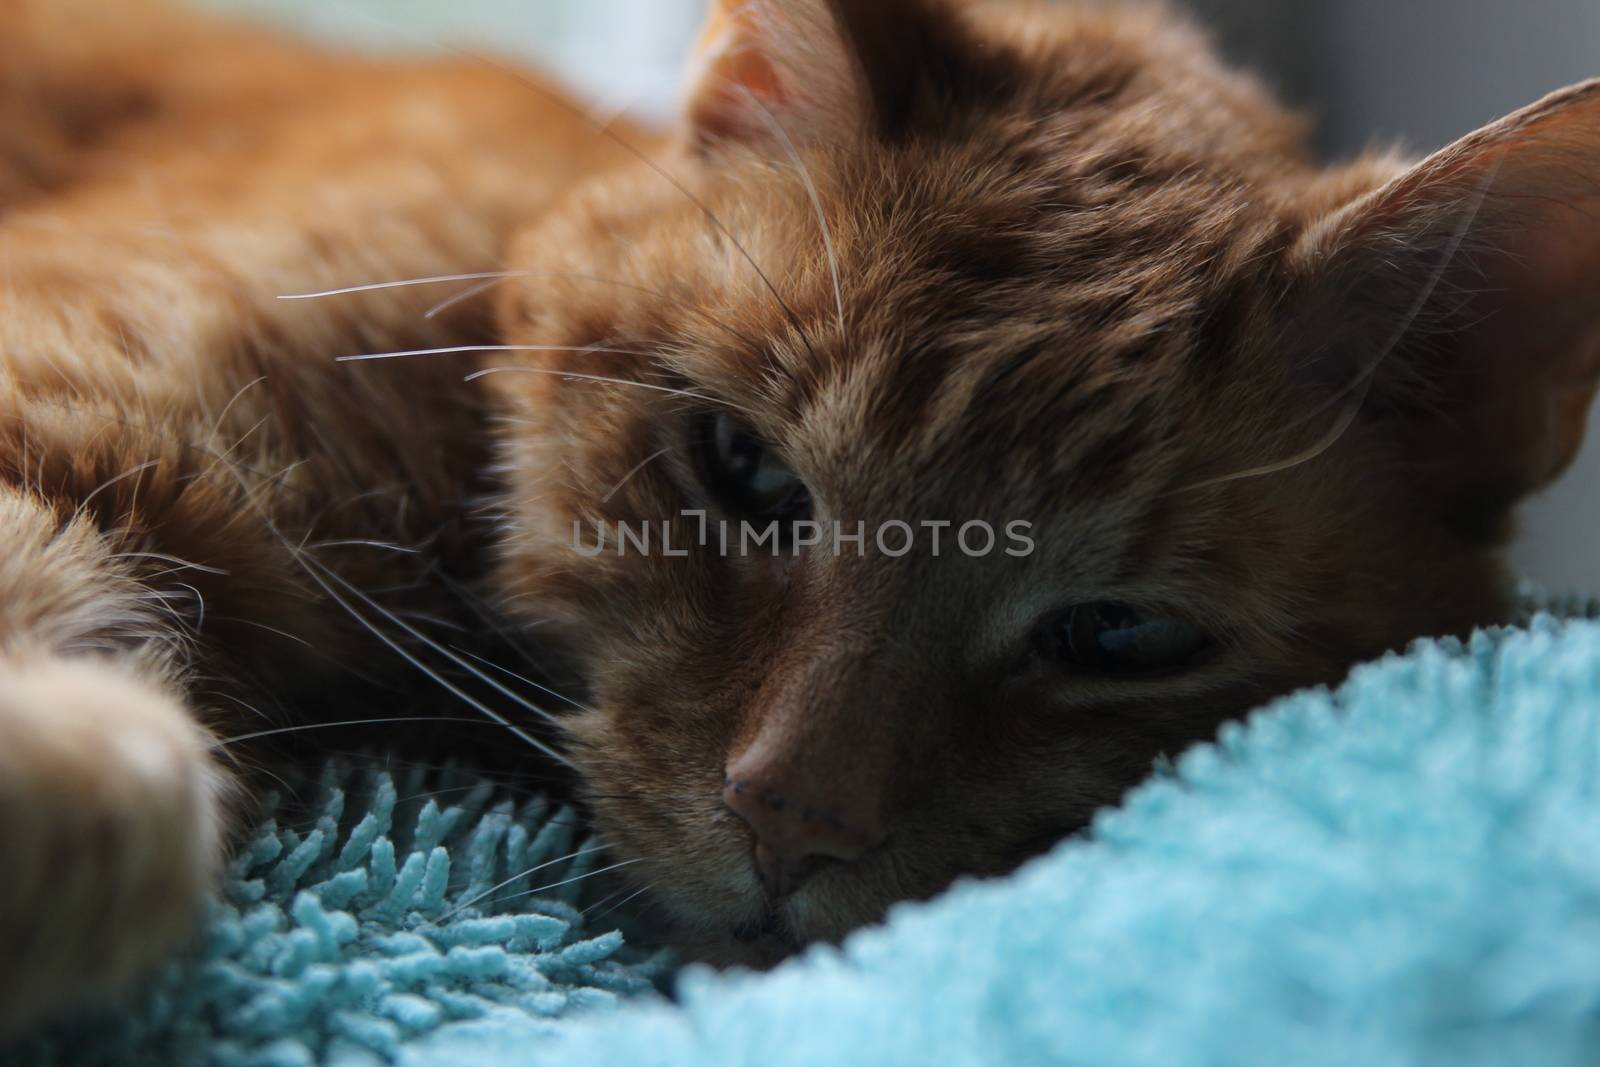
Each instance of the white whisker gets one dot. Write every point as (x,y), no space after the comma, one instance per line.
(570,881)
(458,350)
(698,397)
(782,134)
(438,279)
(310,566)
(217,424)
(286,635)
(177,563)
(528,682)
(693,309)
(226,741)
(222,457)
(246,705)
(435,646)
(200,605)
(630,475)
(385,546)
(624,902)
(465,904)
(83,506)
(461,298)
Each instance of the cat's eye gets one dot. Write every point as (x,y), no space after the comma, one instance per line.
(747,476)
(1111,638)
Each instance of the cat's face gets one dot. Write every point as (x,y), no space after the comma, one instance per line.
(1053,314)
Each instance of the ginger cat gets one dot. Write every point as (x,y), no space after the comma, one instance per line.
(920,267)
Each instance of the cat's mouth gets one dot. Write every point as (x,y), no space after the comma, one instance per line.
(768,927)
(760,943)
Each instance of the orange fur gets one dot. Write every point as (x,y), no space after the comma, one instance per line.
(176,442)
(1091,280)
(949,260)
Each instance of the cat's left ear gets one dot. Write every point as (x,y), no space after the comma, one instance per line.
(1468,291)
(815,71)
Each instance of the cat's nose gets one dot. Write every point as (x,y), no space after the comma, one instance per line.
(798,830)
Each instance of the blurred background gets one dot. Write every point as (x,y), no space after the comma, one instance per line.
(1417,73)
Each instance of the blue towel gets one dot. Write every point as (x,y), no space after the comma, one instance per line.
(1405,871)
(354,926)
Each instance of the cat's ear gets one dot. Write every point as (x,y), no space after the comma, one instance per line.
(814,71)
(1462,302)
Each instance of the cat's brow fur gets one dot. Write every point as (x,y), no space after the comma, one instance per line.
(1089,279)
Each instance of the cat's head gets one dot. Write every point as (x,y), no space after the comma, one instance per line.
(1141,418)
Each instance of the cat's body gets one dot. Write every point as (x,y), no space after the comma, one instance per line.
(177,444)
(982,262)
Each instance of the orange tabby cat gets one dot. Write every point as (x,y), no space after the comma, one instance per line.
(910,268)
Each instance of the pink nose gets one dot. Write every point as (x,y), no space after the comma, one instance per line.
(798,831)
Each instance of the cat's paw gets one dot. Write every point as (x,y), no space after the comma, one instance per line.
(109,827)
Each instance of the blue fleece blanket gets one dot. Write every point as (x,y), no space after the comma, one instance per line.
(1405,871)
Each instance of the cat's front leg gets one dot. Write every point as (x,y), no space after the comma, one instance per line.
(110,799)
(109,822)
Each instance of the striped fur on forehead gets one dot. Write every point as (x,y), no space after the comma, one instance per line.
(948,376)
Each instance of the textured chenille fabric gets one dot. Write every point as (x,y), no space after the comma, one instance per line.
(1404,871)
(396,906)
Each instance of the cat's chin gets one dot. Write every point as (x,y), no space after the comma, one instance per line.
(759,945)
(766,933)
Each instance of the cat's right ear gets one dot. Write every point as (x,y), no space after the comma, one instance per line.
(814,71)
(1460,302)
